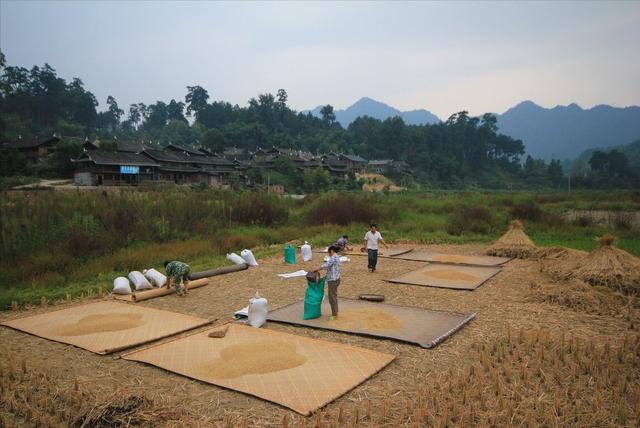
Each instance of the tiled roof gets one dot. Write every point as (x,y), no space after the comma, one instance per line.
(29,144)
(100,157)
(380,161)
(130,146)
(355,158)
(179,148)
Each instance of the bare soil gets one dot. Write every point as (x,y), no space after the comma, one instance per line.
(399,394)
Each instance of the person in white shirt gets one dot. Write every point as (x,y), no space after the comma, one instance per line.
(371,239)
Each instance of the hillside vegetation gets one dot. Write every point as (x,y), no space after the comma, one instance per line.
(54,244)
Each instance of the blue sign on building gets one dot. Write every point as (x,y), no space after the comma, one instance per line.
(125,169)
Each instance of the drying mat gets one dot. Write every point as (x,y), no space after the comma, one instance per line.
(423,327)
(428,256)
(297,372)
(106,327)
(448,276)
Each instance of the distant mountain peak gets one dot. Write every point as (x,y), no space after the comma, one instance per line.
(563,132)
(367,106)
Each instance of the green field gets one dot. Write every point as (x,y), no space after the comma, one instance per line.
(57,245)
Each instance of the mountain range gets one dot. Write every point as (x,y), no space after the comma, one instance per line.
(561,132)
(368,107)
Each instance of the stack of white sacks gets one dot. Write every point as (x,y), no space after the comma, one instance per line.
(245,257)
(144,280)
(150,278)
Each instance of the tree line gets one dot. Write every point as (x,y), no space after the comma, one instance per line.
(461,150)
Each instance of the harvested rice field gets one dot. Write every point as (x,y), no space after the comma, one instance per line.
(533,356)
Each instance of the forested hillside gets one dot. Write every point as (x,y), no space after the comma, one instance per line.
(462,150)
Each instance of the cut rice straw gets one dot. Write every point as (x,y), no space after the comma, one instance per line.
(514,243)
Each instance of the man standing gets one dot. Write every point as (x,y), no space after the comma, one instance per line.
(371,244)
(332,266)
(177,273)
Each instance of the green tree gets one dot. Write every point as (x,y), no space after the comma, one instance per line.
(555,172)
(196,100)
(174,111)
(213,140)
(328,116)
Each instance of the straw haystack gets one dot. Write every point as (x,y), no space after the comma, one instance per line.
(611,267)
(579,296)
(514,243)
(559,262)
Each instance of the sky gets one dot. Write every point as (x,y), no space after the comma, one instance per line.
(443,57)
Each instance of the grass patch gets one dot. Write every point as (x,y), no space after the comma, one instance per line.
(54,244)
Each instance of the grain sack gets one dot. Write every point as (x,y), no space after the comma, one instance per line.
(139,281)
(313,299)
(248,257)
(258,311)
(235,259)
(121,285)
(306,252)
(155,278)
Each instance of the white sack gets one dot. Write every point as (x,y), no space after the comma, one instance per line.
(293,274)
(235,259)
(305,250)
(258,311)
(155,278)
(248,257)
(139,281)
(121,285)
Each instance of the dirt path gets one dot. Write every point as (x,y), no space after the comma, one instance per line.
(499,303)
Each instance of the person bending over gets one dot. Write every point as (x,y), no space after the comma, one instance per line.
(371,239)
(178,276)
(332,266)
(343,244)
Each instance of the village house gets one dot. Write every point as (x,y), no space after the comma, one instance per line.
(33,150)
(101,168)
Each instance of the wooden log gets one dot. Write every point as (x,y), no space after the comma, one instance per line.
(219,271)
(164,291)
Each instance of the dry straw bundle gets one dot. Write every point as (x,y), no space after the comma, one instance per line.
(514,243)
(611,267)
(579,296)
(560,262)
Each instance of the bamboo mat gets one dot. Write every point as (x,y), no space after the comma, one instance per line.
(297,372)
(423,327)
(448,276)
(429,256)
(106,327)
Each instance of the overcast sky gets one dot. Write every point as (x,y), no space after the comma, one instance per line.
(444,57)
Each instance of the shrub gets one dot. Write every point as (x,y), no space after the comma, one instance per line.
(343,209)
(475,219)
(259,208)
(526,211)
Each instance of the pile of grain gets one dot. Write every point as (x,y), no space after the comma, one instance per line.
(559,262)
(368,319)
(514,243)
(255,357)
(611,267)
(100,323)
(579,296)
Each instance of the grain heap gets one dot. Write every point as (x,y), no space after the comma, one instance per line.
(611,267)
(514,243)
